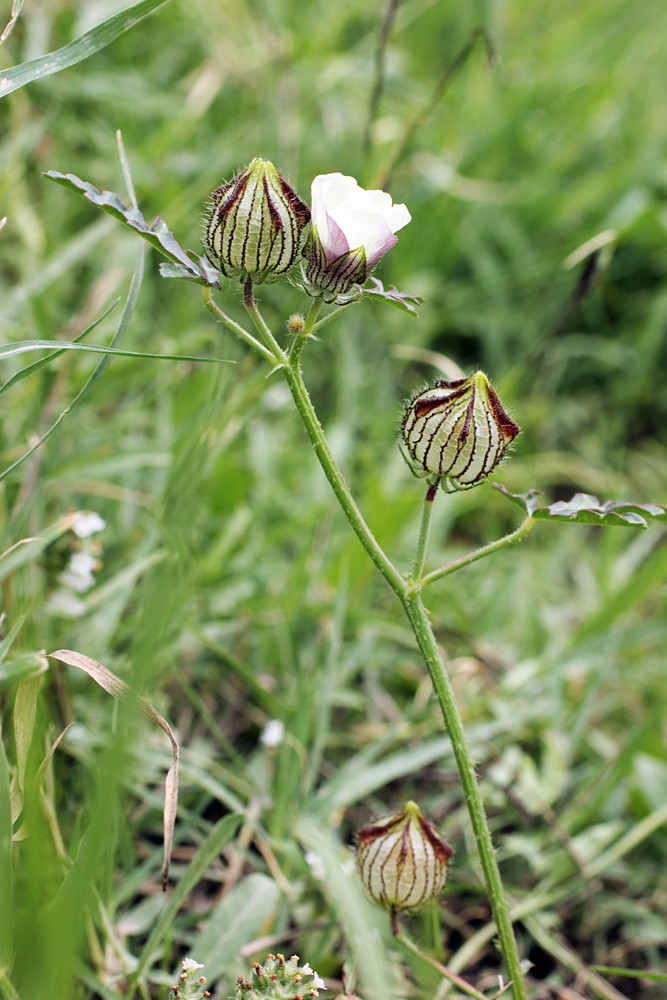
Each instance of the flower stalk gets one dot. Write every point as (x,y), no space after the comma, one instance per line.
(421,626)
(424,530)
(409,593)
(454,433)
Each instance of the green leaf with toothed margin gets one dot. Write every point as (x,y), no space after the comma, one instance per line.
(583,508)
(184,263)
(401,300)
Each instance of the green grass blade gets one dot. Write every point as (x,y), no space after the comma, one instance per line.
(655,977)
(23,346)
(237,919)
(6,887)
(17,670)
(36,365)
(217,840)
(27,548)
(6,643)
(76,51)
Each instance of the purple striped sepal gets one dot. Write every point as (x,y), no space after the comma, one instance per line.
(402,860)
(256,225)
(457,432)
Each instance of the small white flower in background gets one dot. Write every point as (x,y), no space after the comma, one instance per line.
(351,230)
(314,862)
(318,982)
(189,964)
(88,523)
(189,986)
(79,572)
(273,734)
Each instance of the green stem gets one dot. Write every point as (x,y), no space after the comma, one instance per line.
(443,970)
(313,427)
(300,339)
(421,626)
(334,312)
(424,528)
(485,550)
(207,296)
(411,599)
(418,617)
(278,356)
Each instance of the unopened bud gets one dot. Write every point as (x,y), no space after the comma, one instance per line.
(296,323)
(402,860)
(256,225)
(457,430)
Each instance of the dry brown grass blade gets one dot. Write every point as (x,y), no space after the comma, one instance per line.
(119,689)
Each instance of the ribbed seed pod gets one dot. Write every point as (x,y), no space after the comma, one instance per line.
(457,430)
(256,225)
(402,860)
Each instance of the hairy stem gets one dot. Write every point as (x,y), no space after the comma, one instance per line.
(313,427)
(236,328)
(485,550)
(300,339)
(418,617)
(410,597)
(421,626)
(424,528)
(277,353)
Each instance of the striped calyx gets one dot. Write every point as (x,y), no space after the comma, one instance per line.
(339,280)
(457,430)
(352,230)
(256,225)
(402,860)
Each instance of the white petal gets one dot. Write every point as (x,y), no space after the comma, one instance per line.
(87,523)
(273,733)
(190,964)
(347,217)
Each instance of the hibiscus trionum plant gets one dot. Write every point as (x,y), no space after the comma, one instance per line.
(454,434)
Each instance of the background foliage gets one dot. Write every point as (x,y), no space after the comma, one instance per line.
(230,591)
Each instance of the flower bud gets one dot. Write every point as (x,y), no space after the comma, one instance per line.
(256,225)
(457,430)
(402,860)
(352,229)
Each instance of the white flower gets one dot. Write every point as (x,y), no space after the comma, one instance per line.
(189,964)
(79,573)
(318,982)
(87,523)
(352,229)
(273,734)
(314,862)
(347,218)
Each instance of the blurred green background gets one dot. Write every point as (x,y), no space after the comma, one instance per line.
(229,589)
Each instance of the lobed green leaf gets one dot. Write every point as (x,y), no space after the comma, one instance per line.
(584,508)
(401,300)
(184,263)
